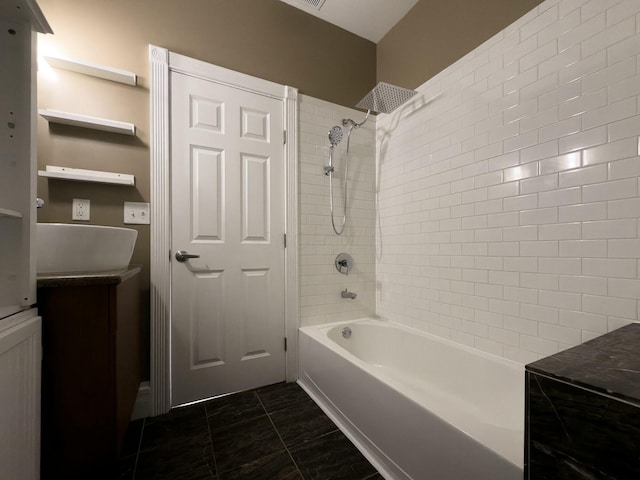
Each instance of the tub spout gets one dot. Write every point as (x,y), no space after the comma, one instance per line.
(347,294)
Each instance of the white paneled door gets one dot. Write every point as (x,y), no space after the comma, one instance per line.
(228,207)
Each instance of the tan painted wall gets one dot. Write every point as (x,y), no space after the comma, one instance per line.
(264,38)
(436,33)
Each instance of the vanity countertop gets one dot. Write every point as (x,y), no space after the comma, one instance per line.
(86,279)
(609,364)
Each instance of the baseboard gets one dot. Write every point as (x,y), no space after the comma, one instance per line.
(142,407)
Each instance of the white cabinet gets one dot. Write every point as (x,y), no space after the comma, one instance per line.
(20,356)
(20,327)
(19,21)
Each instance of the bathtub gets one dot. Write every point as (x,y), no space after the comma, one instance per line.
(418,406)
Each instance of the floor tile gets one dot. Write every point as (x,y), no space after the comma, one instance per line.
(122,470)
(245,442)
(281,395)
(132,438)
(276,466)
(301,423)
(234,438)
(126,467)
(233,408)
(189,459)
(331,457)
(174,428)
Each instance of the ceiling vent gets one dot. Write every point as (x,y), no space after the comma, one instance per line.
(317,4)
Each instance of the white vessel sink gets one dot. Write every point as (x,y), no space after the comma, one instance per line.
(70,248)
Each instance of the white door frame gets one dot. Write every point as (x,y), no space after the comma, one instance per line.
(161,62)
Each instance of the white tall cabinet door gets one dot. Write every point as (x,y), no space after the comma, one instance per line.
(228,207)
(20,327)
(20,357)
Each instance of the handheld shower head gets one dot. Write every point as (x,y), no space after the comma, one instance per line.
(335,135)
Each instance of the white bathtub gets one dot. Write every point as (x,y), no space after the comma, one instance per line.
(418,406)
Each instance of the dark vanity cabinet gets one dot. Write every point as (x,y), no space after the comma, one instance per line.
(583,410)
(90,369)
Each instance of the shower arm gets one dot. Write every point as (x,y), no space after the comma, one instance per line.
(348,121)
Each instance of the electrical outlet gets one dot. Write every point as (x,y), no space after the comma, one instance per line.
(81,209)
(136,213)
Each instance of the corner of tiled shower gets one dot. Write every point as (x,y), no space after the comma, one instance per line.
(320,282)
(508,191)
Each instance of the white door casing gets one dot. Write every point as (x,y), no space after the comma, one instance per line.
(162,64)
(227,191)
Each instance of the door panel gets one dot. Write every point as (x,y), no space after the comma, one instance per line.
(207,334)
(227,207)
(255,198)
(208,194)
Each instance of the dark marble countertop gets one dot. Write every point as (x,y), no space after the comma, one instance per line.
(609,364)
(85,279)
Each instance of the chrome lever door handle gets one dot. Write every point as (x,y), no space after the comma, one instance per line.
(183,256)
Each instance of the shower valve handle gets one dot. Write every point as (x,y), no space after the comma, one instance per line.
(344,264)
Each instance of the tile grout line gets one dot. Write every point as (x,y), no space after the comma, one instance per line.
(135,464)
(372,475)
(280,437)
(213,452)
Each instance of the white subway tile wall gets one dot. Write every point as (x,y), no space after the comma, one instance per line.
(508,189)
(320,282)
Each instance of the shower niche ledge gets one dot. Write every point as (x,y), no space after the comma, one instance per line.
(86,121)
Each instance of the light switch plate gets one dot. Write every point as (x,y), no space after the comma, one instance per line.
(136,212)
(81,209)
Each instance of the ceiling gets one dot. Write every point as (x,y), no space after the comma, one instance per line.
(370,19)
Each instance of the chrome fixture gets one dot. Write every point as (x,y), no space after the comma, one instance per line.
(344,263)
(347,294)
(335,136)
(346,332)
(317,4)
(384,98)
(39,202)
(183,256)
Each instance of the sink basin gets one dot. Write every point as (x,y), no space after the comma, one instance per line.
(70,248)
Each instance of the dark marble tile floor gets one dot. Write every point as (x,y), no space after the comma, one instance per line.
(271,433)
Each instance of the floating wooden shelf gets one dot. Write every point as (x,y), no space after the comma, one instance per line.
(85,121)
(5,212)
(80,175)
(93,69)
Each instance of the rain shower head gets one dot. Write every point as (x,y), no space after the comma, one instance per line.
(335,135)
(385,98)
